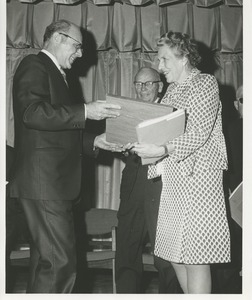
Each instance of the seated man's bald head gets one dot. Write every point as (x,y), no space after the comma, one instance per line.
(148,84)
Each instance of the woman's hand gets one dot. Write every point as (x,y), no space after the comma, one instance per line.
(148,150)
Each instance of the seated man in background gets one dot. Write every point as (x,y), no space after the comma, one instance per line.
(137,215)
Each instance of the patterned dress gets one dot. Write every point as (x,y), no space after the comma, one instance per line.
(192,224)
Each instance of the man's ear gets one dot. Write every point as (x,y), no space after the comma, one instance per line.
(236,105)
(57,37)
(160,86)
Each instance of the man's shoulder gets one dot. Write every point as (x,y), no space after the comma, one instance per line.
(31,65)
(35,61)
(30,59)
(40,57)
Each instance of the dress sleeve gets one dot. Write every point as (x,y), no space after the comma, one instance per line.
(201,116)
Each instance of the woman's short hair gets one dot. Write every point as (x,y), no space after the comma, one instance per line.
(183,45)
(58,26)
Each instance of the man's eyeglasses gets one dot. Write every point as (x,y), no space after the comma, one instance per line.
(240,100)
(147,84)
(78,46)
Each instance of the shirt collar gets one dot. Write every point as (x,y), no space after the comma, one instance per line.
(53,58)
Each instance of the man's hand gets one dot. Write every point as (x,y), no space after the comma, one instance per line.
(102,110)
(148,150)
(100,142)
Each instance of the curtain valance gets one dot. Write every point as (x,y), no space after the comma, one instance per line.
(127,28)
(202,3)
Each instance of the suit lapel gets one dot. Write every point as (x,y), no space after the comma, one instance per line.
(59,89)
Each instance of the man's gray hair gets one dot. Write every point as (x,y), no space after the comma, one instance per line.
(58,26)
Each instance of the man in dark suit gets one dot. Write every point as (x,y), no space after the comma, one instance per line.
(138,211)
(49,144)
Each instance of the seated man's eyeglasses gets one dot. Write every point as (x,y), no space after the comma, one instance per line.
(240,100)
(147,84)
(78,46)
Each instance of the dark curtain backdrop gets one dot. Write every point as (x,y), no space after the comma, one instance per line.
(119,38)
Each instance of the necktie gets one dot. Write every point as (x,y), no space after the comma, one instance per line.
(64,75)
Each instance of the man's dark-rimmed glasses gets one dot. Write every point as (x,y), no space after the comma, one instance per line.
(240,100)
(78,46)
(147,84)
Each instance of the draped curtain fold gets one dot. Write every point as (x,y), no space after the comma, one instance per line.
(231,19)
(207,21)
(127,27)
(119,38)
(203,3)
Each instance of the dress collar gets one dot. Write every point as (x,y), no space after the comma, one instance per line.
(194,72)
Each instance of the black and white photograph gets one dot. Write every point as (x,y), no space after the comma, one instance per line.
(125,148)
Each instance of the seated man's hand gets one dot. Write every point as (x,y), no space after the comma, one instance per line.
(102,110)
(100,142)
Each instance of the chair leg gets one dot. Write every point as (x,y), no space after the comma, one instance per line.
(113,260)
(113,275)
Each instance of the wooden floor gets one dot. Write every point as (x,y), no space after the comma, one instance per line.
(96,282)
(99,281)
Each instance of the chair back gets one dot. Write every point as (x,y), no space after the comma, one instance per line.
(100,221)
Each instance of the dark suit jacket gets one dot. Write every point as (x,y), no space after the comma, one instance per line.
(139,203)
(49,127)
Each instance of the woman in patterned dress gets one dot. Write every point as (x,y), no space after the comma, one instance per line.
(192,228)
